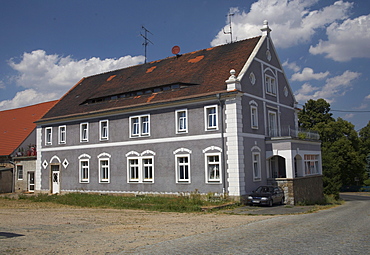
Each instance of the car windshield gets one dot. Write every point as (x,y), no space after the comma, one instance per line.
(263,189)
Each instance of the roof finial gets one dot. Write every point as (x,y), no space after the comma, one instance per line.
(265,29)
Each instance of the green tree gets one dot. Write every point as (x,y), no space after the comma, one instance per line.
(342,161)
(313,113)
(364,135)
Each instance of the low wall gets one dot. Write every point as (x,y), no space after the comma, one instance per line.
(308,190)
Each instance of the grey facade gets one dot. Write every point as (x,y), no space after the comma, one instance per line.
(223,141)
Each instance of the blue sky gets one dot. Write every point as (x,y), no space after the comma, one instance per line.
(47,46)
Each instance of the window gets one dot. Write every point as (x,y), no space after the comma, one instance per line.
(141,169)
(84,132)
(273,131)
(256,166)
(104,167)
(104,170)
(270,84)
(211,121)
(181,121)
(213,167)
(48,136)
(182,168)
(148,169)
(140,126)
(62,134)
(311,164)
(20,172)
(134,169)
(84,171)
(103,130)
(254,117)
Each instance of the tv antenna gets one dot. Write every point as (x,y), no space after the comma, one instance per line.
(146,40)
(230,31)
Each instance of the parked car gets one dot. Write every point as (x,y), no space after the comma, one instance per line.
(266,195)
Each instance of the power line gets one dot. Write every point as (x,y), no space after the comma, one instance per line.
(347,111)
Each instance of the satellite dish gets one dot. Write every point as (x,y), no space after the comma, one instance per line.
(175,50)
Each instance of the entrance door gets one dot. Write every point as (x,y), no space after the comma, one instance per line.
(55,179)
(31,181)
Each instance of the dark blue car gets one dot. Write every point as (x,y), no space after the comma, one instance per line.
(266,195)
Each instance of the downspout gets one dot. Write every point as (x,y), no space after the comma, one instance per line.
(223,156)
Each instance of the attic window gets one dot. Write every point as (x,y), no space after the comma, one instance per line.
(132,94)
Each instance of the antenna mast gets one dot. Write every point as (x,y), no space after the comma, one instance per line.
(146,40)
(231,31)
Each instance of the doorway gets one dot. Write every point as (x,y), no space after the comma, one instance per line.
(31,182)
(55,179)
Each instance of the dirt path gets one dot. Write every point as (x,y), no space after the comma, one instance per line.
(54,229)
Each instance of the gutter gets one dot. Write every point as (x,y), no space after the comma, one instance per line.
(223,156)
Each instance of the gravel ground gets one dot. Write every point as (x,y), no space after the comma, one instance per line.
(43,228)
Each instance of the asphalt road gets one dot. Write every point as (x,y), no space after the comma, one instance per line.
(341,230)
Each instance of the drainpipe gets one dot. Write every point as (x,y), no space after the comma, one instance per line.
(223,156)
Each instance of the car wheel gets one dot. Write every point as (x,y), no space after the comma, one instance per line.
(282,201)
(271,202)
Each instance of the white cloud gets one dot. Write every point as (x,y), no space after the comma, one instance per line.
(347,40)
(292,22)
(305,92)
(308,74)
(367,97)
(292,66)
(47,77)
(2,85)
(348,116)
(26,97)
(334,87)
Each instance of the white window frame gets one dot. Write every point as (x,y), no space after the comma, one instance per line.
(140,178)
(104,130)
(84,158)
(139,126)
(181,122)
(272,127)
(62,134)
(254,117)
(178,168)
(48,136)
(256,166)
(270,84)
(311,164)
(208,179)
(104,157)
(82,129)
(207,123)
(20,176)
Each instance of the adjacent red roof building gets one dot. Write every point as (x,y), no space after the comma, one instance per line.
(17,124)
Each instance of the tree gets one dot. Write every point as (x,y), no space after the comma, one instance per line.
(342,162)
(365,139)
(313,113)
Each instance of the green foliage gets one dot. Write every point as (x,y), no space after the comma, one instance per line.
(342,160)
(314,112)
(367,182)
(192,203)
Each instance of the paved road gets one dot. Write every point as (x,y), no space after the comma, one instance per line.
(341,230)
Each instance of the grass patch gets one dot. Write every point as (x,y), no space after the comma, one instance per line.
(192,203)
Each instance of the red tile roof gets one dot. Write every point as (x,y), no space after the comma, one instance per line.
(17,124)
(204,72)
